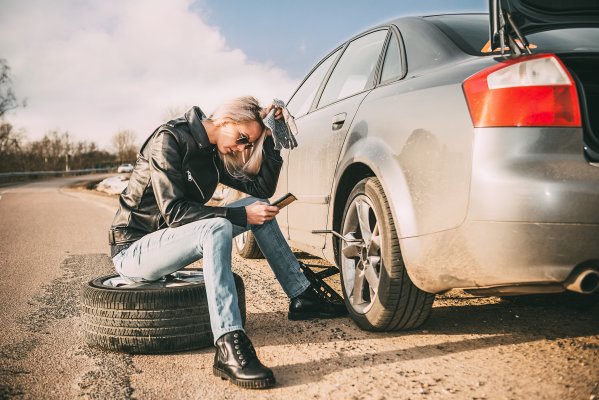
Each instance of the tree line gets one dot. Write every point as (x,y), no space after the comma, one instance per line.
(56,151)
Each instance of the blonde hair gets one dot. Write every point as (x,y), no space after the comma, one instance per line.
(246,164)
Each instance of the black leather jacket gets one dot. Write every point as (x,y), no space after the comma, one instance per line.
(176,173)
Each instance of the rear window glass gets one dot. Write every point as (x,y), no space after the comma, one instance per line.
(471,34)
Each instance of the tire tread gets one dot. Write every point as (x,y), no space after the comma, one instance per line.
(251,250)
(405,306)
(148,321)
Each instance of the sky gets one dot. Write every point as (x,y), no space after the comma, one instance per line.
(95,67)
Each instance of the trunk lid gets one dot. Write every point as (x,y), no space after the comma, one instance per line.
(511,20)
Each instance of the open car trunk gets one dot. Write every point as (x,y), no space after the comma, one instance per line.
(584,69)
(511,20)
(541,15)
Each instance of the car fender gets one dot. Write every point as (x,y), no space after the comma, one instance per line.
(375,154)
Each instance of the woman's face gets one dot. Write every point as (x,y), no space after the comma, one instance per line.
(237,137)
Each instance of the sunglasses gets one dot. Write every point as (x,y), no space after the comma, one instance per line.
(245,140)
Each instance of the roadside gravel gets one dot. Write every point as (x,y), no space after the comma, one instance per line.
(470,348)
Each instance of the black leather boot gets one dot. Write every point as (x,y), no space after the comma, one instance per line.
(312,304)
(236,360)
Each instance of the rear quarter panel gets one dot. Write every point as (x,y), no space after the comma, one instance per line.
(421,138)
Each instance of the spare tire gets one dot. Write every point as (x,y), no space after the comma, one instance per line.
(164,316)
(247,246)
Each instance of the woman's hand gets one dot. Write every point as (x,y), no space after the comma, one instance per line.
(268,109)
(258,213)
(278,111)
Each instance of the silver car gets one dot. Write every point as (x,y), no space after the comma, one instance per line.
(124,168)
(432,156)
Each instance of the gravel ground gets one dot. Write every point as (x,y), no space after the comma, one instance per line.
(470,348)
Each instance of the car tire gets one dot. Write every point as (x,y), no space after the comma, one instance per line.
(385,298)
(246,246)
(169,315)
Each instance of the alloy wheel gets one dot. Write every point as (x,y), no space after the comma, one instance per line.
(179,278)
(241,239)
(361,255)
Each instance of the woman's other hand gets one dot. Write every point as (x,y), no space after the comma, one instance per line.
(278,111)
(259,212)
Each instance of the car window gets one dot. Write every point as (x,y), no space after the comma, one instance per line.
(469,32)
(301,101)
(355,70)
(392,63)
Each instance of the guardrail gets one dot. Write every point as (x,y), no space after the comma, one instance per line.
(19,176)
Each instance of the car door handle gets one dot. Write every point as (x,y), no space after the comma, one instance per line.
(338,121)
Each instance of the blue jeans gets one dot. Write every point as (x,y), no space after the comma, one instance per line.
(168,250)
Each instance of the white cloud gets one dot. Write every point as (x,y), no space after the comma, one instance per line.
(95,67)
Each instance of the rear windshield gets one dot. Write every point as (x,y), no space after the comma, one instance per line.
(470,33)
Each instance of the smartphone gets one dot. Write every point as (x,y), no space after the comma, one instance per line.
(283,201)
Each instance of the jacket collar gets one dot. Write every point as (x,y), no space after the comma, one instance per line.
(194,119)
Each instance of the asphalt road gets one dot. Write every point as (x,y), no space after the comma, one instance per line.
(53,240)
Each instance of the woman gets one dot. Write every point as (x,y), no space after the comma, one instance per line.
(163,224)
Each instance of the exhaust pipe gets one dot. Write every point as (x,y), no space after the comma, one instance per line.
(585,282)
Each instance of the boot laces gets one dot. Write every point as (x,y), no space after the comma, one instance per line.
(244,351)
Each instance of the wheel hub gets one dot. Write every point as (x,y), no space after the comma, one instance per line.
(364,254)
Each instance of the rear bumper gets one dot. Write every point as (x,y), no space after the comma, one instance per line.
(492,254)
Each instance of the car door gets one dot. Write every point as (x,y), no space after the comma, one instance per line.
(299,105)
(321,133)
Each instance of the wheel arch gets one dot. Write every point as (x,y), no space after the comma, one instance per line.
(373,157)
(402,303)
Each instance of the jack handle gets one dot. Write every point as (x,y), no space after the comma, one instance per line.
(324,231)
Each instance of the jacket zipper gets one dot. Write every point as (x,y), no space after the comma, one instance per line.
(217,173)
(190,179)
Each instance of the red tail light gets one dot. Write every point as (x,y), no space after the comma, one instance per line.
(533,90)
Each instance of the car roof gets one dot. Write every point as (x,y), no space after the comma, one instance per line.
(400,20)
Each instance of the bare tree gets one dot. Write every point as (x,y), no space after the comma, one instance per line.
(87,155)
(10,148)
(124,145)
(54,150)
(8,100)
(10,140)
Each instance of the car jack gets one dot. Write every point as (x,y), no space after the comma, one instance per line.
(317,282)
